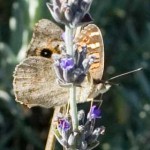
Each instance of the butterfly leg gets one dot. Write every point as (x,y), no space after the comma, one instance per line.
(100,100)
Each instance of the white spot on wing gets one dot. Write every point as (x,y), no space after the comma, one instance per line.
(93,46)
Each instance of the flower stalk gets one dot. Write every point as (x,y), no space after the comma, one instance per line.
(69,40)
(73,107)
(72,99)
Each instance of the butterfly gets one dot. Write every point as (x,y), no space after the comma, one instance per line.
(34,80)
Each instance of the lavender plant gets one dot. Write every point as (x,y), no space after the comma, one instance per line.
(71,67)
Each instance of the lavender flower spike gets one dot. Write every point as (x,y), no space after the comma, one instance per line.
(72,12)
(71,70)
(85,137)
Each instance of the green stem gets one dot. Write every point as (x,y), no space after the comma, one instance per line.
(73,107)
(69,40)
(72,99)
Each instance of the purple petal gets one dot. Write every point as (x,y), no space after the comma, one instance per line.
(64,124)
(67,63)
(94,113)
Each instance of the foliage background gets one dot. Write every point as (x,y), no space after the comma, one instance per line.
(126,109)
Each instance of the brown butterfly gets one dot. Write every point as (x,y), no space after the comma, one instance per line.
(34,78)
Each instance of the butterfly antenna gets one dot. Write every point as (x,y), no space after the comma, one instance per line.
(126,73)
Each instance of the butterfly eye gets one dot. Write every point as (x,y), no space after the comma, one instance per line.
(46,53)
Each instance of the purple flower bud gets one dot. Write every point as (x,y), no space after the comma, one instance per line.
(64,124)
(71,139)
(102,130)
(94,113)
(67,63)
(81,115)
(71,13)
(84,145)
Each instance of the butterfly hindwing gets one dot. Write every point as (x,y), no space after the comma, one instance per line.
(34,84)
(91,37)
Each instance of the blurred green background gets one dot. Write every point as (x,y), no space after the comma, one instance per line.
(125,26)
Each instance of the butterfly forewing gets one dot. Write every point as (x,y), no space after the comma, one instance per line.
(47,36)
(35,83)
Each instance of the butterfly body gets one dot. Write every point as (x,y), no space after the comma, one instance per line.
(34,78)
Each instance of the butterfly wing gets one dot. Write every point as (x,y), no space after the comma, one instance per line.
(46,37)
(91,37)
(34,79)
(34,84)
